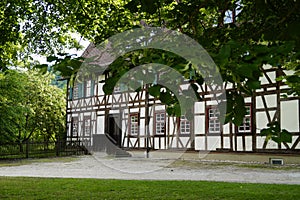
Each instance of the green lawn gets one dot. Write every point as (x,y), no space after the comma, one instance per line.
(62,188)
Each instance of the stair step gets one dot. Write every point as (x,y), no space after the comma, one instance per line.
(122,153)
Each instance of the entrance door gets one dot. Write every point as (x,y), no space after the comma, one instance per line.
(113,127)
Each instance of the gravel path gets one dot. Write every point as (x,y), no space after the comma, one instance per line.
(103,167)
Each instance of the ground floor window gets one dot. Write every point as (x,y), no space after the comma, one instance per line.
(74,127)
(159,123)
(213,122)
(246,125)
(134,124)
(185,125)
(87,125)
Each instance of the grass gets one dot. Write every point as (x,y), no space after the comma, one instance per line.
(61,188)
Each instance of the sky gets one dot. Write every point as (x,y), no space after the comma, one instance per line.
(83,42)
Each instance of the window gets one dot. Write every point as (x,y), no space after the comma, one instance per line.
(87,126)
(117,89)
(185,125)
(88,86)
(120,87)
(78,90)
(213,120)
(246,126)
(83,89)
(134,124)
(160,123)
(74,127)
(75,91)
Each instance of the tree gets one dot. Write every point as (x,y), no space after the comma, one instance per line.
(240,35)
(47,108)
(32,27)
(30,107)
(12,90)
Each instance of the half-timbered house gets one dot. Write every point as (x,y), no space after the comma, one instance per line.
(93,116)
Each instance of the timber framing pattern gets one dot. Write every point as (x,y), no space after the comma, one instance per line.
(112,115)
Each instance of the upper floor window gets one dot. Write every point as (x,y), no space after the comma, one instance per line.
(88,88)
(117,89)
(160,123)
(75,91)
(83,89)
(120,87)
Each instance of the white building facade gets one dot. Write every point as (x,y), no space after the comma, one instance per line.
(92,116)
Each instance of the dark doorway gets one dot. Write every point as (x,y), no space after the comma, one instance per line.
(113,128)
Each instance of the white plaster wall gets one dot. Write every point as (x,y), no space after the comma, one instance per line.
(199,124)
(290,115)
(261,121)
(100,125)
(213,142)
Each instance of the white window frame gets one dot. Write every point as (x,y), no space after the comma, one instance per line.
(87,125)
(75,91)
(185,126)
(134,124)
(247,123)
(160,123)
(75,123)
(214,125)
(117,89)
(88,85)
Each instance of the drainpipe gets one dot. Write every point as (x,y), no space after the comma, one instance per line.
(147,121)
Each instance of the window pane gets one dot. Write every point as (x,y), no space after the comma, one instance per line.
(213,120)
(134,125)
(184,125)
(75,127)
(160,123)
(75,91)
(246,126)
(87,126)
(88,88)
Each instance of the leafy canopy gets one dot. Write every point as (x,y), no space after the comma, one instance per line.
(30,107)
(240,35)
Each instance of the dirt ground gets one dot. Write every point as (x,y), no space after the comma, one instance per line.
(166,166)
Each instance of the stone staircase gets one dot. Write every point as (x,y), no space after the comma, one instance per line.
(107,144)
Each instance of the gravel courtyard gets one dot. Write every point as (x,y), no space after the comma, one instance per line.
(102,166)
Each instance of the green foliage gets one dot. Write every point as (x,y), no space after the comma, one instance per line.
(256,34)
(235,108)
(240,35)
(62,64)
(12,89)
(276,134)
(32,27)
(292,80)
(155,92)
(30,107)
